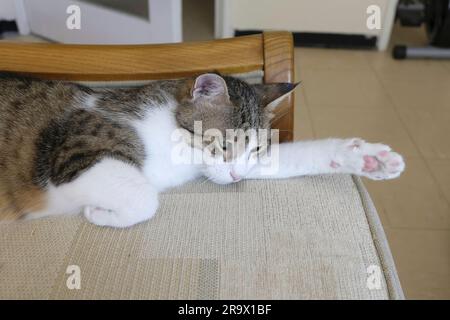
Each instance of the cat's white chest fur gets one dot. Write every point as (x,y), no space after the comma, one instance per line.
(156,130)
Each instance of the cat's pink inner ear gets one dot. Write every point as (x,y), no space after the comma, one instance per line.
(209,85)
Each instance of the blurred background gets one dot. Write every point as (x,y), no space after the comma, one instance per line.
(351,86)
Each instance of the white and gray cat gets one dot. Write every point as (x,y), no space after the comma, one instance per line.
(66,148)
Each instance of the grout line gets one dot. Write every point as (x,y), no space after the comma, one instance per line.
(390,227)
(434,176)
(311,123)
(405,127)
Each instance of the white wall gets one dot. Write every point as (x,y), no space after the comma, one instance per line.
(323,16)
(342,16)
(7,10)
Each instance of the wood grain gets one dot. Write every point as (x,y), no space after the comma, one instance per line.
(279,67)
(132,62)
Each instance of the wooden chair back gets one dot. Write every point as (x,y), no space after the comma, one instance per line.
(271,52)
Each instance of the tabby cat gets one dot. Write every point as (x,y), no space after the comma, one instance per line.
(67,148)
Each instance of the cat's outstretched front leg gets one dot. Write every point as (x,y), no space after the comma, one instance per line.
(354,156)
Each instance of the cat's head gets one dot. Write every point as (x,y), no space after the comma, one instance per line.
(224,116)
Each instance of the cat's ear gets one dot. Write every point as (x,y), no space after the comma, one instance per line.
(268,93)
(210,85)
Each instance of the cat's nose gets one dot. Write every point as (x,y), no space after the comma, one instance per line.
(235,177)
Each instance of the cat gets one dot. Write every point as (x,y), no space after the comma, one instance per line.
(66,148)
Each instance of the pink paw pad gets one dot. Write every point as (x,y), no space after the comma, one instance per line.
(383,153)
(370,163)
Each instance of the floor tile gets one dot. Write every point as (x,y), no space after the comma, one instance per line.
(412,201)
(430,131)
(302,123)
(422,258)
(446,65)
(353,88)
(413,69)
(330,58)
(441,172)
(426,93)
(408,36)
(371,125)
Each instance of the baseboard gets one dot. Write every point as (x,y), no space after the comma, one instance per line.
(325,40)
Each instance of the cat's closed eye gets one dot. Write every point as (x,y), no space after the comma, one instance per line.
(256,150)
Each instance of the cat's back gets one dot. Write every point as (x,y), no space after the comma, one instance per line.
(28,100)
(27,107)
(53,131)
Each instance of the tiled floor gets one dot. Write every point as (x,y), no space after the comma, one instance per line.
(405,104)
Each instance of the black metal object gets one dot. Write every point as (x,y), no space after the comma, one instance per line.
(437,22)
(7,26)
(435,14)
(411,13)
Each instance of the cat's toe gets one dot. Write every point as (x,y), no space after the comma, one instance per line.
(393,164)
(98,216)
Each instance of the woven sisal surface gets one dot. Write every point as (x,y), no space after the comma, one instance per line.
(306,238)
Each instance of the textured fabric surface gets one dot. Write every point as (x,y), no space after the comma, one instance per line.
(305,238)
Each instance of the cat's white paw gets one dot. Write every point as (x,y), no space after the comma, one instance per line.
(120,218)
(372,160)
(100,216)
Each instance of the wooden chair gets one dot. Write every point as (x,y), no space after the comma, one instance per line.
(271,52)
